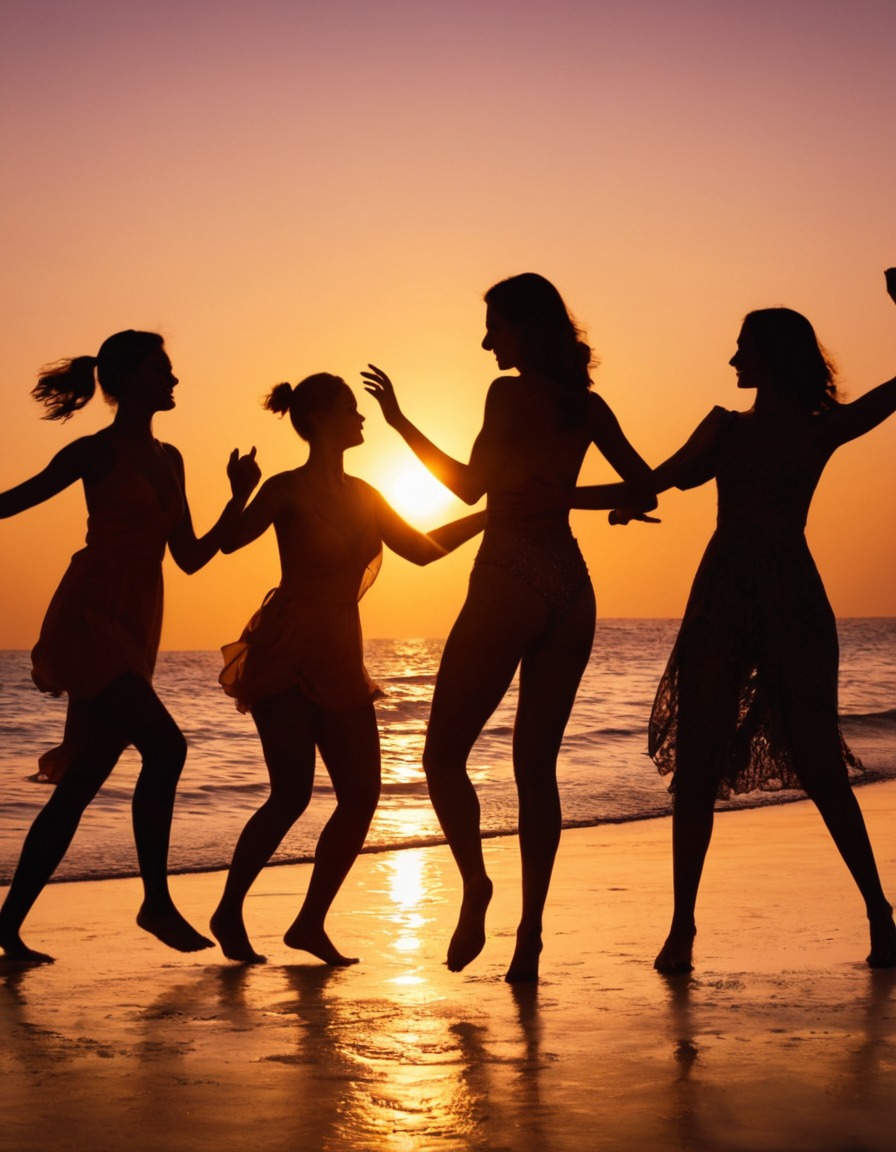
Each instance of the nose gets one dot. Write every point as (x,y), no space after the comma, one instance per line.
(733,361)
(486,343)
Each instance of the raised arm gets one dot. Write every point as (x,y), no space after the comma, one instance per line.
(464,480)
(191,552)
(423,547)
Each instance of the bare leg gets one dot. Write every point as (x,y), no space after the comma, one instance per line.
(97,731)
(349,747)
(285,724)
(550,674)
(500,618)
(707,713)
(692,821)
(819,766)
(134,710)
(95,751)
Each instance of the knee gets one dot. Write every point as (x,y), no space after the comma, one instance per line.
(166,754)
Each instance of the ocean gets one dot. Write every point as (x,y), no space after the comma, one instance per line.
(605,774)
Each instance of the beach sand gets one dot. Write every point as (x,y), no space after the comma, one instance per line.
(783,1039)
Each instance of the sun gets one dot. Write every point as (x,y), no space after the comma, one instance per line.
(415,493)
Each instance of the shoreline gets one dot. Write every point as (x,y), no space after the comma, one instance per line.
(771,799)
(782,1039)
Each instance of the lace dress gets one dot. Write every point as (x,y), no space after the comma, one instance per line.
(758,641)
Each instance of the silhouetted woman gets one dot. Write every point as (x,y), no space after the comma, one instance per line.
(750,691)
(299,666)
(99,640)
(530,603)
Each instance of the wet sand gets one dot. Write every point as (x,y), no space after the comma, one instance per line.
(782,1039)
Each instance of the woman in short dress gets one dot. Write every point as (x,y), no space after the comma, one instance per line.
(99,640)
(299,666)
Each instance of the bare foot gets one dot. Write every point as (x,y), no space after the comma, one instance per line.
(16,951)
(469,935)
(318,943)
(676,955)
(234,940)
(172,929)
(883,941)
(524,965)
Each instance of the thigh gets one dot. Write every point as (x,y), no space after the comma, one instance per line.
(130,708)
(550,674)
(92,749)
(286,728)
(500,619)
(349,745)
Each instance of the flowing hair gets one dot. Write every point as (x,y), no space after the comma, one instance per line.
(549,337)
(789,348)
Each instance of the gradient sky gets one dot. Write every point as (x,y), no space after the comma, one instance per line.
(285,187)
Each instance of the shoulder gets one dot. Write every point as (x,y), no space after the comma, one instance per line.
(173,454)
(366,493)
(501,392)
(91,457)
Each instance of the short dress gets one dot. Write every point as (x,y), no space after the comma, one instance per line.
(105,618)
(307,632)
(758,626)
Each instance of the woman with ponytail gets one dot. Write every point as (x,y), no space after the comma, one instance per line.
(299,665)
(100,636)
(530,604)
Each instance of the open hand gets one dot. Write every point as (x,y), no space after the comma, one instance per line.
(379,386)
(243,473)
(626,515)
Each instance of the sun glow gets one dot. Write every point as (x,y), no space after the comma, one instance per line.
(414,492)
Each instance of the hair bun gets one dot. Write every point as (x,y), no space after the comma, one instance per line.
(279,398)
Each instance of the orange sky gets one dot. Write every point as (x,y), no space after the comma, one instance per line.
(285,187)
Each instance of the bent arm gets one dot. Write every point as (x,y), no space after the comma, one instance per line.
(636,490)
(72,463)
(464,480)
(424,547)
(191,552)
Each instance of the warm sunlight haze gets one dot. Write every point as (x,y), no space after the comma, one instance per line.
(281,189)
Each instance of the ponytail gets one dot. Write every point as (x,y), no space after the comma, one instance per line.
(66,386)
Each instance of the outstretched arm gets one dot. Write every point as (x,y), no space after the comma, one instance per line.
(424,547)
(190,552)
(464,480)
(73,462)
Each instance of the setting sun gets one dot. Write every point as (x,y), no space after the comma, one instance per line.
(414,492)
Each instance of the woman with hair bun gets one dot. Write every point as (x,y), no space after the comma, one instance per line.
(100,636)
(299,665)
(749,695)
(530,604)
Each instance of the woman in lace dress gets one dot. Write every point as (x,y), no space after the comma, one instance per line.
(749,696)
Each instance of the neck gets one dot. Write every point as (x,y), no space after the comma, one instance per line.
(135,425)
(325,462)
